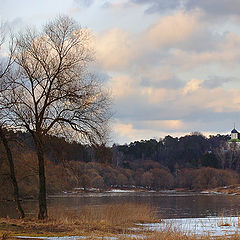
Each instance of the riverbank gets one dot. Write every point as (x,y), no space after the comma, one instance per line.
(169,229)
(122,189)
(118,221)
(110,220)
(231,190)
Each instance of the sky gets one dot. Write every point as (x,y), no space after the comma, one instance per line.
(172,66)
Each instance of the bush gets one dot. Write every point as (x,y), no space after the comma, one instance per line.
(185,178)
(210,178)
(98,182)
(162,179)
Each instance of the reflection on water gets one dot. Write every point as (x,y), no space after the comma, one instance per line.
(168,204)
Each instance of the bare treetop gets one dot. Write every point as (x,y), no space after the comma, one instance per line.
(52,91)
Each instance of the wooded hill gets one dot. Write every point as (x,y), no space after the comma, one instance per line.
(192,161)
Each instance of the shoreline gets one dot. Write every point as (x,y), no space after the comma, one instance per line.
(231,190)
(225,190)
(228,190)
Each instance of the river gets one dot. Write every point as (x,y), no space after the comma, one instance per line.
(168,204)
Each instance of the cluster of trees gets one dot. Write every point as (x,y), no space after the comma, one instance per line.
(147,174)
(190,151)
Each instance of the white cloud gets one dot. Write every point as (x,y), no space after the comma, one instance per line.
(122,86)
(192,86)
(226,54)
(164,124)
(153,96)
(115,49)
(74,10)
(128,132)
(172,30)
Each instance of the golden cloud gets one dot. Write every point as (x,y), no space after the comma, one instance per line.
(114,49)
(171,30)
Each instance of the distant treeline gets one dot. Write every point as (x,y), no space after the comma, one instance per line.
(192,161)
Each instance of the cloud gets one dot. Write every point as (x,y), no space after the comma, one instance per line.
(176,76)
(145,130)
(85,3)
(216,81)
(118,4)
(136,102)
(146,112)
(140,130)
(211,7)
(217,7)
(170,125)
(159,77)
(74,10)
(192,86)
(181,30)
(127,133)
(115,49)
(147,82)
(159,5)
(122,86)
(226,54)
(170,83)
(171,30)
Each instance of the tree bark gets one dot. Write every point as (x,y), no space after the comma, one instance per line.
(42,197)
(12,173)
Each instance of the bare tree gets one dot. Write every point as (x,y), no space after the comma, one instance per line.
(52,91)
(8,151)
(5,65)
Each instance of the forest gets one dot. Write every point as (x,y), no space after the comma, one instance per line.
(191,162)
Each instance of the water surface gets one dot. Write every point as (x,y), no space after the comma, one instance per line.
(168,204)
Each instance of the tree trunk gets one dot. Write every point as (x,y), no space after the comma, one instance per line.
(12,173)
(42,197)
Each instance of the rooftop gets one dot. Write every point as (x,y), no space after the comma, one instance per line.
(234,131)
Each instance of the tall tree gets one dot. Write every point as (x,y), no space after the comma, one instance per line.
(5,66)
(3,137)
(53,93)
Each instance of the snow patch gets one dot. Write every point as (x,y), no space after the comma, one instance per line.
(119,191)
(213,226)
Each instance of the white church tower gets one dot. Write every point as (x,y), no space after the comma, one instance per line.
(234,135)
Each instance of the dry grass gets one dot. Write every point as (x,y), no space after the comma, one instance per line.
(109,214)
(105,220)
(231,189)
(110,220)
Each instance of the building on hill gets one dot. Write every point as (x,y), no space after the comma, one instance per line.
(234,136)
